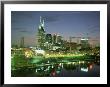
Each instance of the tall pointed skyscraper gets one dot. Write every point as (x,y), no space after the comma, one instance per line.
(41,34)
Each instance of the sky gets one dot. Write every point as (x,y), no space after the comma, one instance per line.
(65,23)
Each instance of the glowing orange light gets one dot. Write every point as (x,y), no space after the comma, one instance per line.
(90,66)
(53,73)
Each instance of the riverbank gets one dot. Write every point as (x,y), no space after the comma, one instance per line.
(20,61)
(67,56)
(63,55)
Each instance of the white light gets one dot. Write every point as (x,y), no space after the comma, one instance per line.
(84,69)
(36,70)
(84,39)
(40,52)
(52,66)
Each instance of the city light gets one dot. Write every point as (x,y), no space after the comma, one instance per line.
(40,52)
(84,69)
(53,55)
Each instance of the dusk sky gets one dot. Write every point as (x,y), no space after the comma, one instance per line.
(65,23)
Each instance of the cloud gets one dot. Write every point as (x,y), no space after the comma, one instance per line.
(56,16)
(26,31)
(48,19)
(18,28)
(94,29)
(23,31)
(21,16)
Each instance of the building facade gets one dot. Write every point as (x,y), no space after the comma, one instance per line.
(84,43)
(41,34)
(48,38)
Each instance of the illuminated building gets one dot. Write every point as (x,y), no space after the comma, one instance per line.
(57,42)
(41,34)
(40,52)
(48,38)
(54,38)
(48,42)
(59,39)
(84,43)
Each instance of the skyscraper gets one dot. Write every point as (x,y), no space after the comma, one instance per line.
(59,39)
(54,38)
(48,38)
(41,34)
(22,42)
(84,43)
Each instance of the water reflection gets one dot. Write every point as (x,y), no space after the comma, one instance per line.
(62,69)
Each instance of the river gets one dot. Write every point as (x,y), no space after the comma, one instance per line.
(78,68)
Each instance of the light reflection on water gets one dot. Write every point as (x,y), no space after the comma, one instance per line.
(61,69)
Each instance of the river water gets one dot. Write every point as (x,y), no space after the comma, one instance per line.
(87,68)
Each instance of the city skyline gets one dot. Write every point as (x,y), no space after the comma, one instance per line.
(65,23)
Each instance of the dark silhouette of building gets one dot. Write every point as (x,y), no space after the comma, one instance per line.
(22,42)
(48,38)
